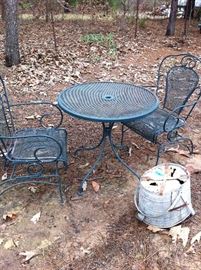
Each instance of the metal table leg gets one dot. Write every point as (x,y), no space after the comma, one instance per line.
(89,148)
(107,132)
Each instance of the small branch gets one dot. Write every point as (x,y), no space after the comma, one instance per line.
(53,31)
(137,17)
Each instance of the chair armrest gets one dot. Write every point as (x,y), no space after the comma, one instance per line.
(174,114)
(154,87)
(148,86)
(42,117)
(37,159)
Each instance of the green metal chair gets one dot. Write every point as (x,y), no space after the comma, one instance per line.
(178,88)
(31,155)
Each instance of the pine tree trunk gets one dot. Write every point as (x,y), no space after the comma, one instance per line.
(2,10)
(47,10)
(137,17)
(172,19)
(189,9)
(12,55)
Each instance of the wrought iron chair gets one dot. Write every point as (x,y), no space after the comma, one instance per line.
(27,153)
(178,88)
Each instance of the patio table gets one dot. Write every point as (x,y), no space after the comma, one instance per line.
(107,103)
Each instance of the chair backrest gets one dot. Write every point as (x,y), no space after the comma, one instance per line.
(6,120)
(178,81)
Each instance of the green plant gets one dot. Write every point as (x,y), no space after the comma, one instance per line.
(25,4)
(73,3)
(114,4)
(111,44)
(101,39)
(93,38)
(142,22)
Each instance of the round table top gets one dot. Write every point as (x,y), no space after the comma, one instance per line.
(107,101)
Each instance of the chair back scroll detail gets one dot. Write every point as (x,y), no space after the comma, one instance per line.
(178,75)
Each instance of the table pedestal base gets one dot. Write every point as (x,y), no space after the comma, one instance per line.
(107,133)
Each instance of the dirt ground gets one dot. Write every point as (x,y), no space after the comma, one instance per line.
(98,230)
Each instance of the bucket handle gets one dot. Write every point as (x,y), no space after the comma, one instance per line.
(167,210)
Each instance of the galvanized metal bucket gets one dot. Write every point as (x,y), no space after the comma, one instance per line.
(163,196)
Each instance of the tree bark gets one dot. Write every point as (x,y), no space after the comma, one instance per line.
(172,19)
(66,6)
(137,17)
(189,9)
(12,55)
(47,10)
(2,9)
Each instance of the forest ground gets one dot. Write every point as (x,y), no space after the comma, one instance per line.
(99,230)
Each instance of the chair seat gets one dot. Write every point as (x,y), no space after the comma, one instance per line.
(44,148)
(152,125)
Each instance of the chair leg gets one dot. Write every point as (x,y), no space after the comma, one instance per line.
(186,141)
(65,165)
(161,149)
(60,190)
(158,156)
(59,182)
(123,130)
(14,180)
(122,134)
(189,145)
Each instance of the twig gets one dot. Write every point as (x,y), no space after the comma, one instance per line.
(53,31)
(61,4)
(151,255)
